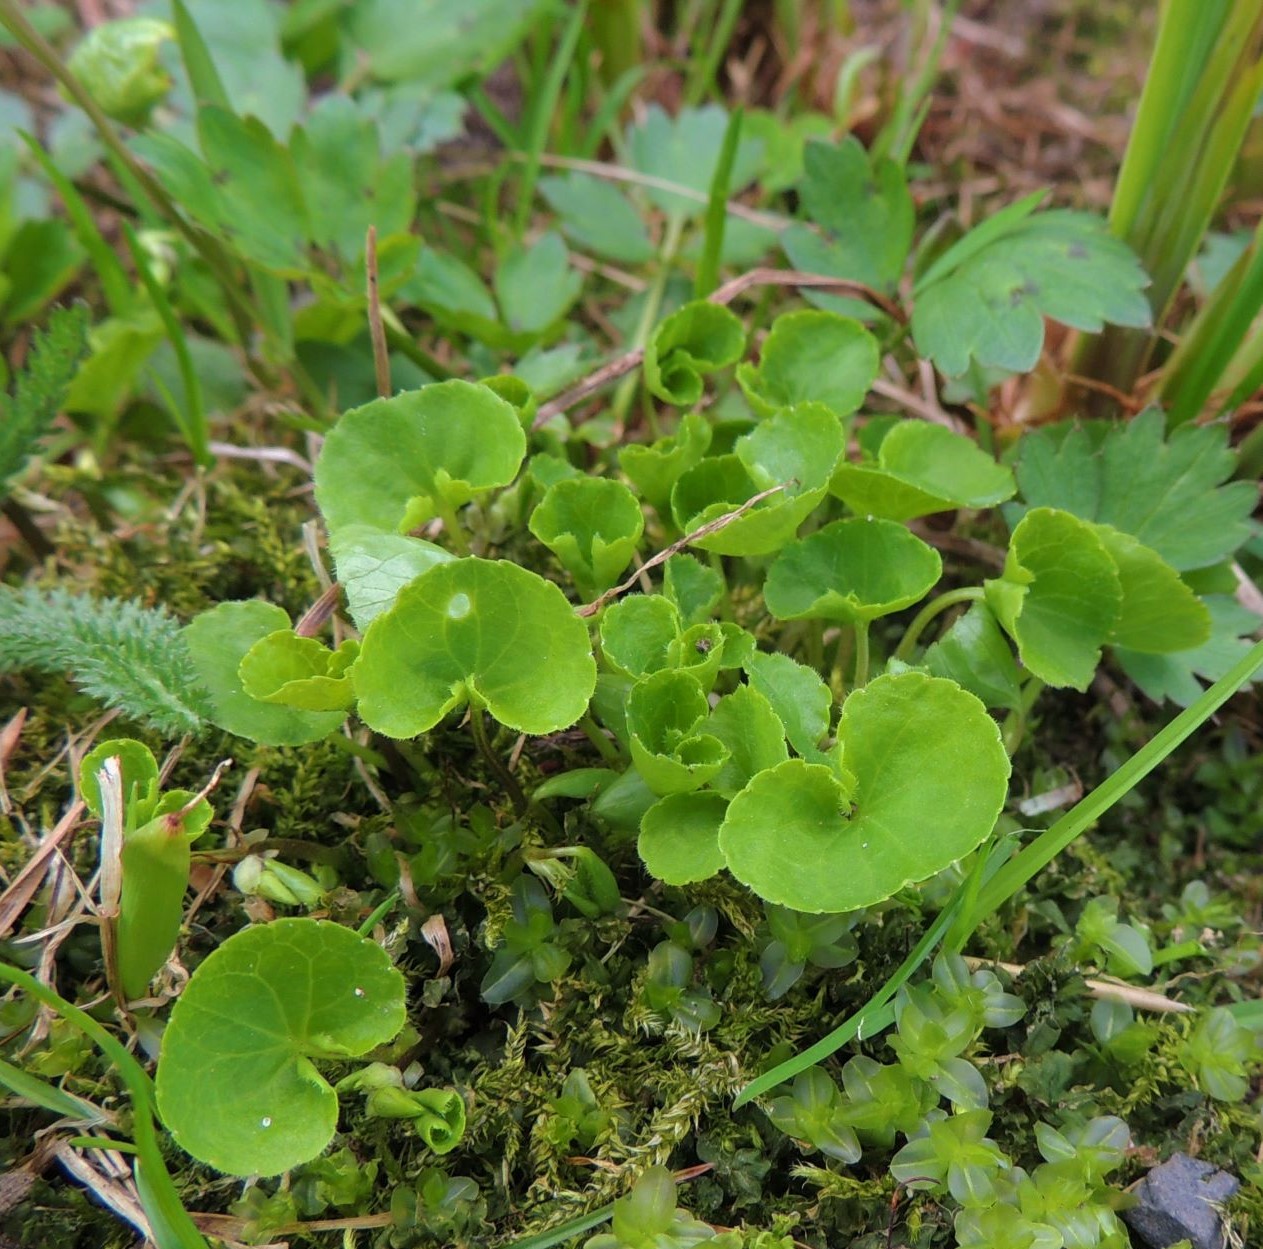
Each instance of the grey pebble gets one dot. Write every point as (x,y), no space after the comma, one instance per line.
(1178,1200)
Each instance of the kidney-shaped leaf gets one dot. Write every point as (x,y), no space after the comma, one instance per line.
(926,776)
(295,671)
(697,339)
(852,571)
(922,469)
(1059,598)
(666,721)
(475,630)
(395,463)
(679,837)
(797,448)
(236,1085)
(592,525)
(812,356)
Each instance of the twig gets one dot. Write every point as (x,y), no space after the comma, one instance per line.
(376,330)
(1110,990)
(704,531)
(313,619)
(18,895)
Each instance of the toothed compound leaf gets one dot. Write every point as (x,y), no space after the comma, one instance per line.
(395,463)
(654,469)
(218,641)
(797,448)
(924,778)
(921,469)
(1167,492)
(374,566)
(1059,598)
(479,631)
(698,339)
(851,571)
(671,745)
(679,837)
(975,654)
(811,357)
(592,525)
(302,672)
(236,1084)
(985,300)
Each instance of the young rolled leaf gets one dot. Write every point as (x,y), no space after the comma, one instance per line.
(302,672)
(670,745)
(851,571)
(921,469)
(374,566)
(924,778)
(1059,598)
(654,469)
(797,448)
(479,631)
(679,837)
(811,357)
(592,525)
(218,640)
(236,1084)
(395,463)
(697,339)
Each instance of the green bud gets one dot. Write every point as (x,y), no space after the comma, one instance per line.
(118,65)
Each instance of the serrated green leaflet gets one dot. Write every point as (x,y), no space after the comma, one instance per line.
(395,463)
(975,654)
(799,697)
(925,778)
(986,302)
(797,448)
(535,287)
(592,525)
(811,357)
(1059,598)
(921,469)
(679,837)
(374,566)
(751,731)
(236,1085)
(599,217)
(1166,492)
(670,743)
(218,640)
(302,672)
(654,469)
(698,339)
(851,571)
(479,631)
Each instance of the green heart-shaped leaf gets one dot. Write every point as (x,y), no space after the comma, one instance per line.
(482,631)
(218,640)
(679,837)
(374,566)
(591,524)
(926,778)
(666,722)
(697,339)
(236,1086)
(1060,596)
(654,469)
(922,469)
(811,356)
(395,463)
(975,654)
(798,448)
(852,571)
(295,671)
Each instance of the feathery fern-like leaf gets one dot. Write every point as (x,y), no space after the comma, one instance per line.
(125,655)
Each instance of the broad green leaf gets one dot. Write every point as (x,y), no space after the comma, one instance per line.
(1166,492)
(811,356)
(236,1084)
(851,571)
(479,631)
(670,745)
(799,697)
(866,210)
(699,651)
(599,217)
(695,588)
(986,303)
(697,339)
(685,150)
(294,671)
(374,566)
(218,640)
(1159,612)
(746,723)
(395,463)
(536,286)
(637,632)
(454,294)
(926,777)
(679,837)
(921,469)
(592,525)
(797,448)
(975,654)
(1059,598)
(654,469)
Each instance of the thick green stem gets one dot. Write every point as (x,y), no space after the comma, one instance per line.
(861,654)
(604,747)
(933,608)
(478,727)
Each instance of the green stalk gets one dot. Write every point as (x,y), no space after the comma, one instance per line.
(934,607)
(615,30)
(861,654)
(717,210)
(478,727)
(703,69)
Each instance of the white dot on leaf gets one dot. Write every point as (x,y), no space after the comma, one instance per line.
(359,992)
(266,1121)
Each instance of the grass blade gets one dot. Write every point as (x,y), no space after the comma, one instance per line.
(208,87)
(717,210)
